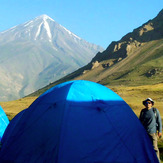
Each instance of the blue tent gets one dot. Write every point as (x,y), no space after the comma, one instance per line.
(77,122)
(3,122)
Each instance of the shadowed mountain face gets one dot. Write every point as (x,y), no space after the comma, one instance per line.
(38,52)
(136,59)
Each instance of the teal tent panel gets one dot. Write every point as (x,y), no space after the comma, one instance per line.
(3,122)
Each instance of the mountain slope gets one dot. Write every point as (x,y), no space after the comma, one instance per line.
(136,59)
(38,52)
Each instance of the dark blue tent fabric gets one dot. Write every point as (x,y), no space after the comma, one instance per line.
(77,122)
(11,126)
(3,122)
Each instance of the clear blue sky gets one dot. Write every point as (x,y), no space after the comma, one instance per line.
(96,21)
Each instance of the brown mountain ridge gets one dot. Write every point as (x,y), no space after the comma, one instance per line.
(134,60)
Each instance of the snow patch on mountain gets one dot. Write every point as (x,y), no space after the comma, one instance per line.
(28,23)
(70,33)
(10,29)
(44,17)
(46,25)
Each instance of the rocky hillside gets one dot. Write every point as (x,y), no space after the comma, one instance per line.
(152,30)
(136,59)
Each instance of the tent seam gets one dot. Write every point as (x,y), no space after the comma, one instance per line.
(118,134)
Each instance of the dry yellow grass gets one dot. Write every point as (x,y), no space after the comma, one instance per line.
(135,95)
(12,108)
(132,95)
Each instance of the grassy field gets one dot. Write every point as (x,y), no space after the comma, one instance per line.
(132,95)
(135,95)
(12,108)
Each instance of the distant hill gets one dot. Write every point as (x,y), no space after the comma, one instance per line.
(134,60)
(39,52)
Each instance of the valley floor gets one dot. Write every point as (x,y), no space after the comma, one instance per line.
(132,95)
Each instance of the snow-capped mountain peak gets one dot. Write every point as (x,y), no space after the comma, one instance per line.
(41,51)
(44,25)
(44,17)
(40,28)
